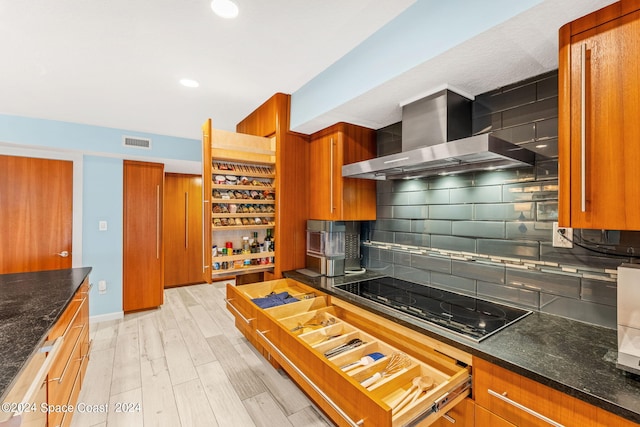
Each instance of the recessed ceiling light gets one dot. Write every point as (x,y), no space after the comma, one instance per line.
(225,8)
(189,83)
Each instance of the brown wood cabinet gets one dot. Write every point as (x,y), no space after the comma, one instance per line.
(486,418)
(599,130)
(301,337)
(143,266)
(68,369)
(183,246)
(512,398)
(333,197)
(271,119)
(55,372)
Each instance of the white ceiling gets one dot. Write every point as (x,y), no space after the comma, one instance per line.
(117,63)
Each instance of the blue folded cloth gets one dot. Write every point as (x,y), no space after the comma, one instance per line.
(274,300)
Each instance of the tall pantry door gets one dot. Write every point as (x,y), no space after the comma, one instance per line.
(143,265)
(183,230)
(36,214)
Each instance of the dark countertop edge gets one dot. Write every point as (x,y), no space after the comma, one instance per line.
(83,273)
(469,347)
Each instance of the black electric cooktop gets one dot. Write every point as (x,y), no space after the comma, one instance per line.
(467,316)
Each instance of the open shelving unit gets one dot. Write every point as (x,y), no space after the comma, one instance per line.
(239,173)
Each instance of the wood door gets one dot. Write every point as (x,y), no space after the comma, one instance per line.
(323,200)
(36,221)
(183,230)
(603,129)
(143,267)
(358,196)
(333,197)
(195,247)
(175,230)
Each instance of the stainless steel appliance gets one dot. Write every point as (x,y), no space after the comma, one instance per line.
(466,316)
(629,317)
(351,247)
(436,138)
(326,247)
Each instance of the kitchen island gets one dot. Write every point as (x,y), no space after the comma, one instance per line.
(572,357)
(30,305)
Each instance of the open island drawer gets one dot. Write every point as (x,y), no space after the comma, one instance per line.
(321,345)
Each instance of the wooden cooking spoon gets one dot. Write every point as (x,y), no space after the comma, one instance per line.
(419,384)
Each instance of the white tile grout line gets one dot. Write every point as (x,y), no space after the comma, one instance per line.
(604,274)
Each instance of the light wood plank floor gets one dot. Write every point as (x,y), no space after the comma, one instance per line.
(185,364)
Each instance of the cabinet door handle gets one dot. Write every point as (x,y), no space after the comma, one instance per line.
(529,411)
(53,351)
(205,212)
(583,127)
(157,221)
(331,207)
(66,366)
(313,385)
(449,418)
(186,219)
(247,321)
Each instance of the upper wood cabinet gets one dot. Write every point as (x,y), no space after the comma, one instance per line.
(143,258)
(599,130)
(183,229)
(333,197)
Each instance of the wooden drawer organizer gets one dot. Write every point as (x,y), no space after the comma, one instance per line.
(297,336)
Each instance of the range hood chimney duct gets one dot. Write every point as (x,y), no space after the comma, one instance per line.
(436,139)
(443,116)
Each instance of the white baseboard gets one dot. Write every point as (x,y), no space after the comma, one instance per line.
(106,317)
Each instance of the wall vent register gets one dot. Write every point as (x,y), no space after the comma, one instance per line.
(136,142)
(466,316)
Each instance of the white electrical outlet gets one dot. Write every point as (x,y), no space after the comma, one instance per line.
(562,236)
(102,287)
(102,225)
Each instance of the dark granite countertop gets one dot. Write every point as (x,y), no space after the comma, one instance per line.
(30,304)
(573,357)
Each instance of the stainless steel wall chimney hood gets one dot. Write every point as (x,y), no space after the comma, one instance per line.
(435,141)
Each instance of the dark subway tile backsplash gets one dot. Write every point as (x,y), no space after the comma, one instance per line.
(489,233)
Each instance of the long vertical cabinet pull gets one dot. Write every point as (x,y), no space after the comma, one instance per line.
(186,219)
(583,127)
(157,221)
(204,229)
(331,207)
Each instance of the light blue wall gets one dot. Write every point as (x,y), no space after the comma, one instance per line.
(102,179)
(423,31)
(93,139)
(102,201)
